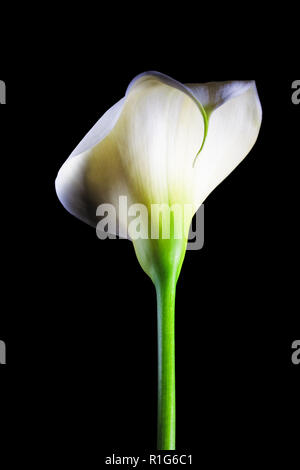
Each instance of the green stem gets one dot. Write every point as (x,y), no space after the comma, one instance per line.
(162,260)
(166,419)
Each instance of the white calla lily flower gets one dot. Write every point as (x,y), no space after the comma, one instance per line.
(169,144)
(146,144)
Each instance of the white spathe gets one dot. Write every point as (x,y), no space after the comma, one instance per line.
(144,147)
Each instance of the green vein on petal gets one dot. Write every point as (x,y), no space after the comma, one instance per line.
(205,116)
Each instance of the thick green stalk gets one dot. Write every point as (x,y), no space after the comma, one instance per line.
(166,417)
(162,260)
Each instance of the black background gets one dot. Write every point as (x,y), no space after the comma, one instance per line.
(79,315)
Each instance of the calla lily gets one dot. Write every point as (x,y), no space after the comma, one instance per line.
(169,144)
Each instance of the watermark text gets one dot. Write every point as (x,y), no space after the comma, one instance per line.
(159,221)
(296,353)
(2,352)
(2,92)
(296,93)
